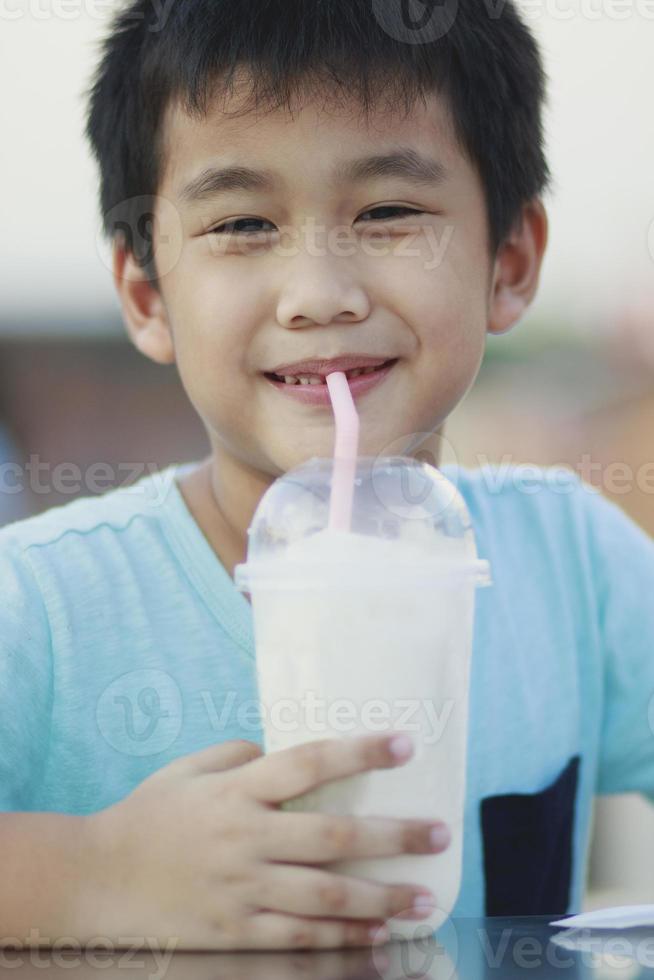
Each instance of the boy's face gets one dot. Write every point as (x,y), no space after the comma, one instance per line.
(314,274)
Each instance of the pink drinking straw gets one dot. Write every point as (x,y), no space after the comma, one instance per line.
(345,452)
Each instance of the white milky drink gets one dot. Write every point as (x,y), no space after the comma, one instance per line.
(357,633)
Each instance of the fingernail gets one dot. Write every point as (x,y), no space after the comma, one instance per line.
(400,746)
(439,836)
(379,933)
(424,902)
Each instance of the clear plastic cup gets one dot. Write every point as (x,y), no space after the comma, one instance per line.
(371,631)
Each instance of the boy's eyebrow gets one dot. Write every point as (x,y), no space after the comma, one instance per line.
(405,163)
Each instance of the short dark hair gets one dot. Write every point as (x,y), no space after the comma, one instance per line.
(476,54)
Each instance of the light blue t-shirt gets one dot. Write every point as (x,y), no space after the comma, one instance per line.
(125,644)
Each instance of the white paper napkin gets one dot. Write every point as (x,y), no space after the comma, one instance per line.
(620,917)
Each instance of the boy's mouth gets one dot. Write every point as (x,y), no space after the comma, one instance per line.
(320,379)
(311,390)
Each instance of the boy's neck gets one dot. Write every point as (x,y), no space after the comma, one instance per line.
(222,516)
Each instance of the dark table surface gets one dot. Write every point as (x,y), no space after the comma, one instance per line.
(498,948)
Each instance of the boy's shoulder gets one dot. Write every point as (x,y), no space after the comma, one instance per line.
(84,515)
(540,516)
(550,517)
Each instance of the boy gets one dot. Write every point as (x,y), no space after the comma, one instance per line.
(131,766)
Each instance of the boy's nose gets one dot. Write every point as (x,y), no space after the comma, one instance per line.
(321,299)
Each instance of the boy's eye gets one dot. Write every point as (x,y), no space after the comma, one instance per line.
(231,226)
(393,207)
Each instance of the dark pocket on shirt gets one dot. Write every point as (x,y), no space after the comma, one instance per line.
(527,841)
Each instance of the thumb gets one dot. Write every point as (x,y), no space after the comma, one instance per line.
(225,755)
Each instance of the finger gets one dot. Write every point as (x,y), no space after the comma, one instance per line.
(287,773)
(312,891)
(226,755)
(275,930)
(315,838)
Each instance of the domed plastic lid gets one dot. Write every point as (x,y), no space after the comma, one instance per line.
(408,520)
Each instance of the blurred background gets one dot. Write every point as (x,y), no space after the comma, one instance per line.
(573,384)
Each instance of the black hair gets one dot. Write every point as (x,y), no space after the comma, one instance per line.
(476,54)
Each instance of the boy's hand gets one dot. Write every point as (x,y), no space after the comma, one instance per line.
(200,851)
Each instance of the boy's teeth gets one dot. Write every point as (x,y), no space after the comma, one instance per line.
(315,380)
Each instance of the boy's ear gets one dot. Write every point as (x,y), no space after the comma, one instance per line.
(517,269)
(143,307)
